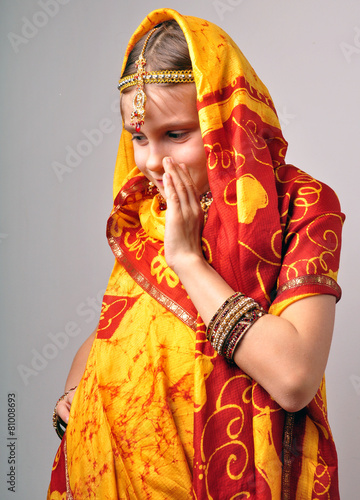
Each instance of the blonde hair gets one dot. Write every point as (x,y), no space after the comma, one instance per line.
(166,49)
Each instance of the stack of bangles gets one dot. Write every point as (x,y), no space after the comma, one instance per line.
(58,423)
(230,323)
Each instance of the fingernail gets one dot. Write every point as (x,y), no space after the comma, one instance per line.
(168,160)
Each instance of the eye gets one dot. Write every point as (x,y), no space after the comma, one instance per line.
(177,136)
(138,138)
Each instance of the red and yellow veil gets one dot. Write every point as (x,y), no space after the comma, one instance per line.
(273,233)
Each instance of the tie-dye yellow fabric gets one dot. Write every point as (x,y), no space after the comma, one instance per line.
(130,437)
(158,415)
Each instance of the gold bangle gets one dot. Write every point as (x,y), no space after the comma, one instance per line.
(222,310)
(230,323)
(239,332)
(58,423)
(230,320)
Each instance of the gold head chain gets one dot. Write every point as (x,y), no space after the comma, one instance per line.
(142,76)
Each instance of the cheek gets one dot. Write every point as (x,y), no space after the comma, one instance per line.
(198,168)
(139,158)
(199,161)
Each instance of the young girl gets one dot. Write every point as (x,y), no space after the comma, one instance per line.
(205,375)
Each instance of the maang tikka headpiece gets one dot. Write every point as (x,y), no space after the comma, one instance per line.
(142,76)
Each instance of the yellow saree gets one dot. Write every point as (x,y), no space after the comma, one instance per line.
(158,414)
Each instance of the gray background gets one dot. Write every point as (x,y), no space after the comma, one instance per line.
(60,62)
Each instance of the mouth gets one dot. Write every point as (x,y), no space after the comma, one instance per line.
(159,183)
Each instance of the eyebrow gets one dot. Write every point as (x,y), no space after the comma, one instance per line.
(169,126)
(129,128)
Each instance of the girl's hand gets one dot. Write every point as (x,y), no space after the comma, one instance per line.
(63,406)
(184,217)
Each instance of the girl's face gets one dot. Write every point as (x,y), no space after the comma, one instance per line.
(172,129)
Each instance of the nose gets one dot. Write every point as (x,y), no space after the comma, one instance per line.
(154,159)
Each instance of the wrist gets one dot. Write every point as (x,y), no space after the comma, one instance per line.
(70,387)
(189,264)
(58,424)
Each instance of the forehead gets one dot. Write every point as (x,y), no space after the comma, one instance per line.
(163,101)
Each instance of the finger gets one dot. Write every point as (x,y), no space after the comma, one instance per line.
(63,410)
(182,182)
(178,174)
(174,186)
(70,396)
(171,194)
(193,192)
(182,174)
(168,185)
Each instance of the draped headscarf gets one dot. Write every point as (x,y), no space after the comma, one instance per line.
(273,233)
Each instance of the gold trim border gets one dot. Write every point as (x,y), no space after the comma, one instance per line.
(69,495)
(287,459)
(149,288)
(311,280)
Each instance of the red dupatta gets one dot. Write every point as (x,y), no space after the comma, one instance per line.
(273,233)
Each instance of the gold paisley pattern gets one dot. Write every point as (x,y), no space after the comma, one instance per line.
(252,195)
(218,156)
(160,270)
(137,244)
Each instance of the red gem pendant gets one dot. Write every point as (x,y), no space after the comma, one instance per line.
(137,127)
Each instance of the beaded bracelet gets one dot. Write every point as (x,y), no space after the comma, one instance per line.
(225,326)
(222,311)
(58,423)
(241,329)
(230,323)
(228,317)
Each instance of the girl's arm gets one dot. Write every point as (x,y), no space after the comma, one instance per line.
(286,355)
(76,372)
